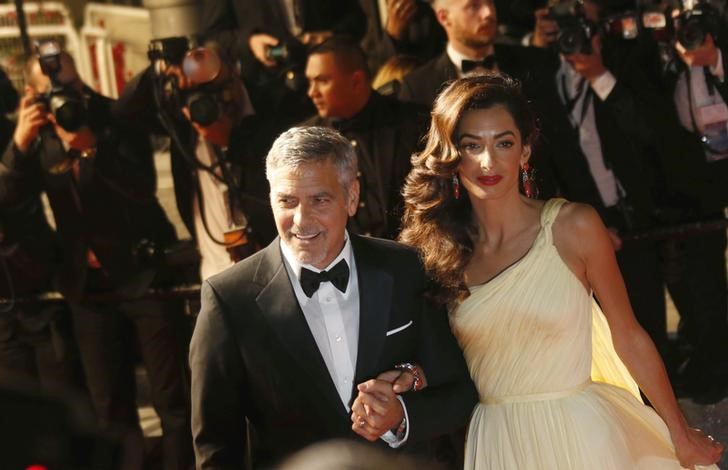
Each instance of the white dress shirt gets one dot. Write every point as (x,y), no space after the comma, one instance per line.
(333,318)
(457,58)
(701,96)
(214,258)
(573,89)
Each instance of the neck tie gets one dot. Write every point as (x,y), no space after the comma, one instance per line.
(487,63)
(338,276)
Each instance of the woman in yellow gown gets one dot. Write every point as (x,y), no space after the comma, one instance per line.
(556,386)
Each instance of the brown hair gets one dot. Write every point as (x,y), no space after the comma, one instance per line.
(434,221)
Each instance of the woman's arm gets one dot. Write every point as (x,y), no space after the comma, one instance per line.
(595,263)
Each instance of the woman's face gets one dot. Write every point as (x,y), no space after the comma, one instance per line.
(491,152)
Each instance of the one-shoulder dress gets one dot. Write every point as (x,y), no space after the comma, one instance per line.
(553,393)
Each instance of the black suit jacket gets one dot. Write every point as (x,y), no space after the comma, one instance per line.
(386,133)
(253,356)
(627,123)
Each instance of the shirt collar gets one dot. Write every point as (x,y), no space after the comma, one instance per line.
(296,265)
(457,58)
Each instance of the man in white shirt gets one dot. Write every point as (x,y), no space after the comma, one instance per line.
(289,343)
(695,189)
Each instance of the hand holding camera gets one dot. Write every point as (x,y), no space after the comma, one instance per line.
(32,115)
(259,44)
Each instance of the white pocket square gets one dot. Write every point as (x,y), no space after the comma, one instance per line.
(399,328)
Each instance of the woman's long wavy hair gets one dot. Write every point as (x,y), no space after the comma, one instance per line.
(435,222)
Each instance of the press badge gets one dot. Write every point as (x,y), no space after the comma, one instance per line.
(714,118)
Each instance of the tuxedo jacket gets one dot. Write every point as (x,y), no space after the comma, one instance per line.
(523,63)
(386,132)
(257,370)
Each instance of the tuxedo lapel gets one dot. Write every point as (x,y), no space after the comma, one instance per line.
(375,293)
(279,305)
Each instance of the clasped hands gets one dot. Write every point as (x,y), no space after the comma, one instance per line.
(376,409)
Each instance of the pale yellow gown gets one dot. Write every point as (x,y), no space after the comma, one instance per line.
(553,393)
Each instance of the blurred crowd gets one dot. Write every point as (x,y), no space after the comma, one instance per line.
(631,97)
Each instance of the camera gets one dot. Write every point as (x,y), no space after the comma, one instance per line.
(204,95)
(66,103)
(695,22)
(287,53)
(575,30)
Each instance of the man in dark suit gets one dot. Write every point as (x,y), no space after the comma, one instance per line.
(217,167)
(383,131)
(471,28)
(289,342)
(600,130)
(100,181)
(695,189)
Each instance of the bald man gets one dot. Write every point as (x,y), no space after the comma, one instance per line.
(471,27)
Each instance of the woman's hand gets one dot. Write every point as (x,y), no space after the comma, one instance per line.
(693,447)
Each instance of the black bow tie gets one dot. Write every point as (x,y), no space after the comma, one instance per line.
(487,63)
(338,276)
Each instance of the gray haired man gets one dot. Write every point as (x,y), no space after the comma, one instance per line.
(306,340)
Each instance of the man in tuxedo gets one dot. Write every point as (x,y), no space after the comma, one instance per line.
(289,342)
(383,130)
(471,27)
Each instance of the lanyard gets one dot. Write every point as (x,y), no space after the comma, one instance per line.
(582,91)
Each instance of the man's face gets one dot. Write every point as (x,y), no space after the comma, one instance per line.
(311,209)
(472,23)
(332,89)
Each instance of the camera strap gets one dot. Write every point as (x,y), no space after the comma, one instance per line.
(583,93)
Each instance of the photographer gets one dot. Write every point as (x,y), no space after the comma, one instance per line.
(8,104)
(599,136)
(383,131)
(218,145)
(99,178)
(695,168)
(270,40)
(36,341)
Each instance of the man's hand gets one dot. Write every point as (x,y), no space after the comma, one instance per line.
(376,409)
(705,55)
(259,44)
(399,14)
(589,66)
(403,380)
(546,29)
(31,117)
(614,238)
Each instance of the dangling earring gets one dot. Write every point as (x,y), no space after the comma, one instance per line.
(456,186)
(529,181)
